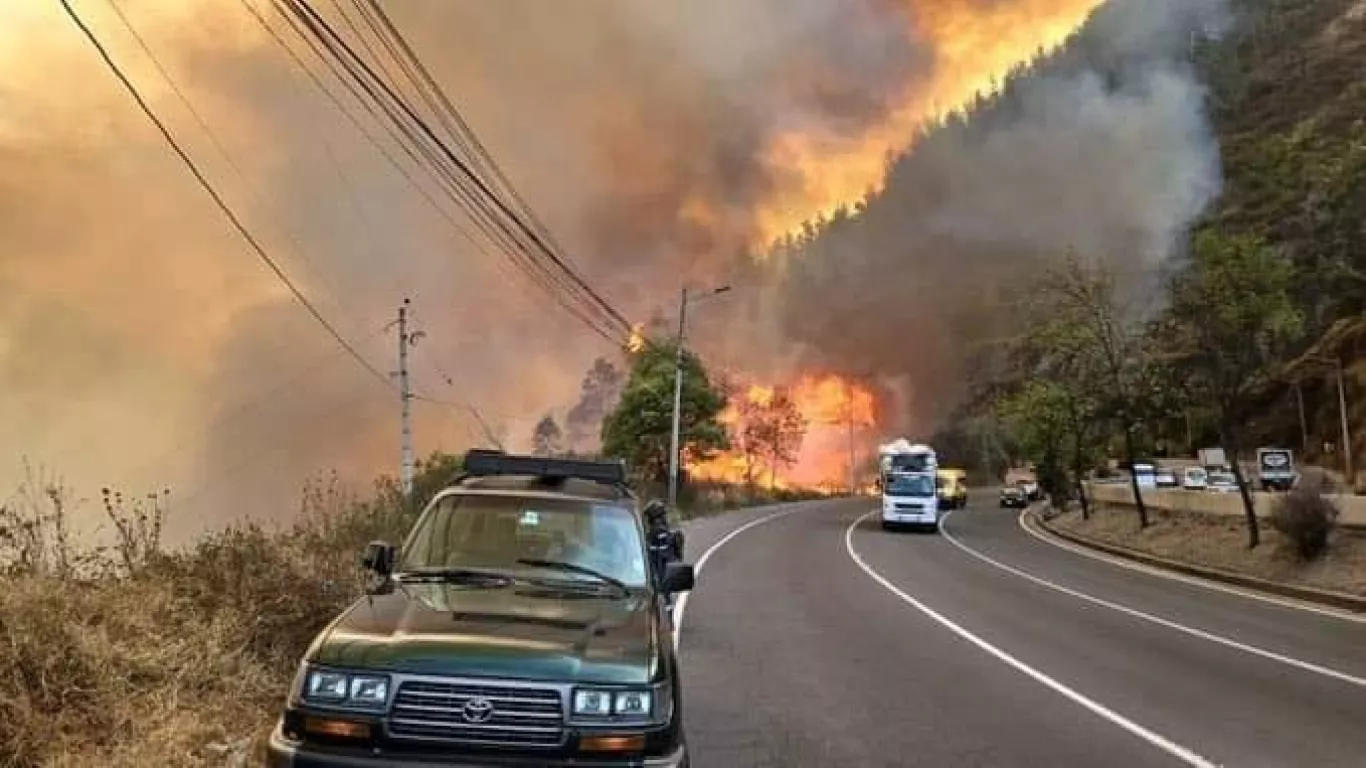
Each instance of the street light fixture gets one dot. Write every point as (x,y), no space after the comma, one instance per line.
(686,297)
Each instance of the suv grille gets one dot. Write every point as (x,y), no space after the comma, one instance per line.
(478,714)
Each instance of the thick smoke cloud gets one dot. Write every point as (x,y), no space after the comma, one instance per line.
(1105,151)
(141,343)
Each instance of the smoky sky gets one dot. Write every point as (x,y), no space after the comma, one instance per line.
(1105,152)
(141,342)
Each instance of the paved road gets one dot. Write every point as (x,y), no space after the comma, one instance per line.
(814,640)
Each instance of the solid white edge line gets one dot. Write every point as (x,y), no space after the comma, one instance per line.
(682,604)
(1124,609)
(1151,570)
(1161,742)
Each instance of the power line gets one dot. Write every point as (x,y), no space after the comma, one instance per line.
(222,148)
(442,159)
(217,198)
(483,198)
(435,169)
(446,111)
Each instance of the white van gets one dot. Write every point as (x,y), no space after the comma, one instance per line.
(910,493)
(910,498)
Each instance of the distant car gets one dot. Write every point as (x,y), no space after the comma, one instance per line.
(1014,496)
(1030,488)
(1166,478)
(1194,479)
(1222,482)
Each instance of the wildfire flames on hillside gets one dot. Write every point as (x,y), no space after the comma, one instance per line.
(835,415)
(663,144)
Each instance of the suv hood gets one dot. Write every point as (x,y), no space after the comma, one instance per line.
(522,631)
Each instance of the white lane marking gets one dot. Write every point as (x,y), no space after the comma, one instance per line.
(682,604)
(1119,562)
(1161,742)
(1168,623)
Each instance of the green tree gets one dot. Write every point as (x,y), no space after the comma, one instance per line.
(639,428)
(1089,332)
(547,439)
(1235,308)
(1036,416)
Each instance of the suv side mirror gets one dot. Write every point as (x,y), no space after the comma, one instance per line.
(678,577)
(379,557)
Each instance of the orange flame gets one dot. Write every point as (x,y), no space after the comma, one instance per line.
(636,342)
(975,46)
(837,413)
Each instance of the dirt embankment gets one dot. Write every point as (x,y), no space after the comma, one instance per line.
(1221,542)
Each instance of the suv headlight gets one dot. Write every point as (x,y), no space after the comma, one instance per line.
(636,705)
(345,690)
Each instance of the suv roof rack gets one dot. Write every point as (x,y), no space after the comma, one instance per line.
(482,462)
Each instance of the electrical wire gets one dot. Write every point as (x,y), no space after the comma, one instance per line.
(223,150)
(486,203)
(474,201)
(350,78)
(218,200)
(445,110)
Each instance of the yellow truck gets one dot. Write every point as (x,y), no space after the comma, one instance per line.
(952,485)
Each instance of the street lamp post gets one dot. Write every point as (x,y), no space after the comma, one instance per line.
(1346,431)
(678,387)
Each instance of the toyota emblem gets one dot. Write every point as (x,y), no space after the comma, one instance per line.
(477,710)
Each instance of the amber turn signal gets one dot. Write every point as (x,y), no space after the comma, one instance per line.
(344,729)
(631,743)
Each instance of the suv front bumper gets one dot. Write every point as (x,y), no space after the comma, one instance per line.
(284,753)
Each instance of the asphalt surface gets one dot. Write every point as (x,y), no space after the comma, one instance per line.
(814,641)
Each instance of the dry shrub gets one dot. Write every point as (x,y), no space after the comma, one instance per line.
(1306,518)
(133,656)
(122,672)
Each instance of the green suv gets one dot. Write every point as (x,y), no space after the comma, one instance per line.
(520,624)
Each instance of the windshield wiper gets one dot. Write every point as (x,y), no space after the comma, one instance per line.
(561,565)
(457,575)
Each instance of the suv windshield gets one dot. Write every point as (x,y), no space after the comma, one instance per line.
(500,533)
(910,485)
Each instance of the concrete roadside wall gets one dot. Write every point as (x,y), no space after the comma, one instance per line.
(1352,508)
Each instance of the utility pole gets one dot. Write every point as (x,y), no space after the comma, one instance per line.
(674,437)
(1304,424)
(1346,431)
(678,400)
(406,340)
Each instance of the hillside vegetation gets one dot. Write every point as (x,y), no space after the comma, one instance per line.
(1287,102)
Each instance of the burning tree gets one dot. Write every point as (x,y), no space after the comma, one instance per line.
(770,431)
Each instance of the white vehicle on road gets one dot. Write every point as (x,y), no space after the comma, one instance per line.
(909,493)
(1194,478)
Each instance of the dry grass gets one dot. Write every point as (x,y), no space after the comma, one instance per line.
(132,656)
(1221,542)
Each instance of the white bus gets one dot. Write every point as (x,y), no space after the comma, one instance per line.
(908,485)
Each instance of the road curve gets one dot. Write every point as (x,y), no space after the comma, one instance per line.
(814,638)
